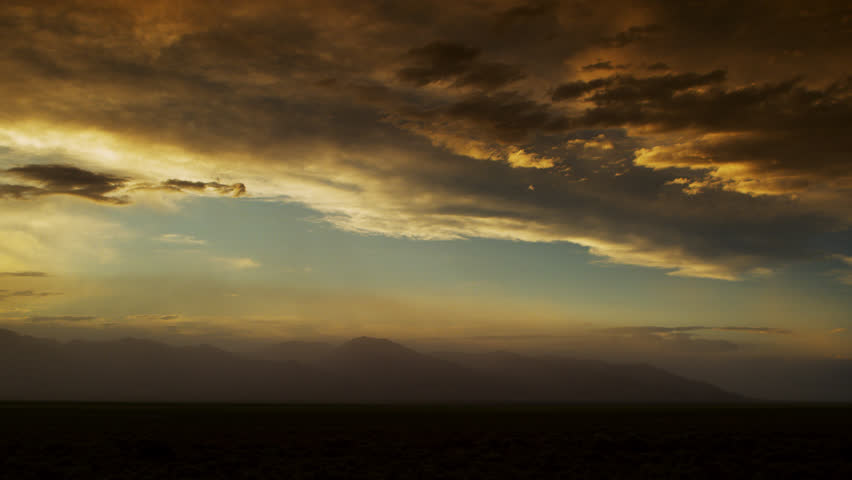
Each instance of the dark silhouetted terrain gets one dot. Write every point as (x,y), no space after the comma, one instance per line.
(360,370)
(135,441)
(776,378)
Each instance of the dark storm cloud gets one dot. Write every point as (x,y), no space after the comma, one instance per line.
(607,65)
(65,179)
(489,76)
(579,88)
(526,11)
(658,66)
(631,35)
(38,62)
(510,116)
(627,88)
(770,25)
(439,60)
(779,129)
(449,61)
(630,89)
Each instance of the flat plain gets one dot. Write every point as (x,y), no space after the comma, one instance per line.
(153,441)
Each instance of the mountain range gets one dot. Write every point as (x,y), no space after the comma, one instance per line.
(362,370)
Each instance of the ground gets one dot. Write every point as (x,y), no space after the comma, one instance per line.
(90,441)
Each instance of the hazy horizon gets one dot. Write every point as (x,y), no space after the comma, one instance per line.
(773,379)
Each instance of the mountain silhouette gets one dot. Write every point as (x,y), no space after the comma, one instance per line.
(295,351)
(142,370)
(569,379)
(361,370)
(381,370)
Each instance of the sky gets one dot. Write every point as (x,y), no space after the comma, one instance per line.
(603,178)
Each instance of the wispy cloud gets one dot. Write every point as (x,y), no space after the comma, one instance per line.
(237,263)
(844,275)
(652,330)
(23,274)
(181,239)
(39,180)
(152,316)
(62,318)
(4,294)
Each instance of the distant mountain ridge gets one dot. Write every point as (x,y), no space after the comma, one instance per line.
(363,369)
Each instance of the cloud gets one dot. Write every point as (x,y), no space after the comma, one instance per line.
(607,65)
(439,61)
(837,331)
(685,338)
(522,159)
(514,337)
(180,239)
(644,330)
(237,263)
(64,179)
(23,274)
(149,316)
(54,179)
(599,142)
(844,275)
(348,111)
(578,88)
(633,34)
(61,318)
(777,331)
(19,191)
(508,116)
(625,89)
(753,139)
(235,190)
(521,12)
(651,330)
(5,294)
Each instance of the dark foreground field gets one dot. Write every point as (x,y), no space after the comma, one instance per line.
(69,441)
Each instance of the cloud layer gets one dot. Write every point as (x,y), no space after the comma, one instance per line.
(696,139)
